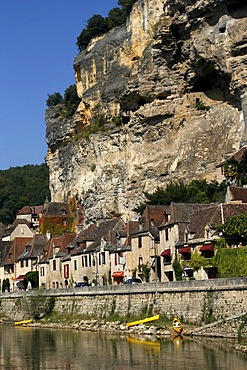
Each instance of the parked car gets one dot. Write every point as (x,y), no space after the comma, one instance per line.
(81,284)
(133,281)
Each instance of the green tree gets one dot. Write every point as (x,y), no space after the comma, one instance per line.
(234,227)
(197,191)
(115,18)
(71,100)
(21,186)
(33,278)
(54,99)
(126,5)
(96,26)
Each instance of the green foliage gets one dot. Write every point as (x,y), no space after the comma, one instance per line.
(231,262)
(234,227)
(54,99)
(200,105)
(93,167)
(115,18)
(197,191)
(57,224)
(231,169)
(126,6)
(21,186)
(236,171)
(5,285)
(33,278)
(71,100)
(98,25)
(220,243)
(197,261)
(145,268)
(178,270)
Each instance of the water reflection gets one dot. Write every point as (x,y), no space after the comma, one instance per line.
(35,349)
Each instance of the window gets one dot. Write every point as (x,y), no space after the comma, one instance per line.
(166,234)
(82,261)
(103,258)
(42,271)
(26,263)
(85,261)
(54,265)
(140,263)
(139,241)
(75,265)
(22,263)
(66,271)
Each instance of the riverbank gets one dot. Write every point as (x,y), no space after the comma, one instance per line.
(147,331)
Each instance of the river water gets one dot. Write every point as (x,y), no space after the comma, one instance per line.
(28,348)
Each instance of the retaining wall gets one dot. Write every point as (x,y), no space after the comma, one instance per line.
(193,301)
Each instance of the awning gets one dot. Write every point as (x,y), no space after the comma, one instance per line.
(184,250)
(207,247)
(166,253)
(118,274)
(20,278)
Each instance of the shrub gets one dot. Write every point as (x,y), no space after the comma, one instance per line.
(54,99)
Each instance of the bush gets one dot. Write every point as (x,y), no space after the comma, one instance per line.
(98,25)
(71,100)
(54,99)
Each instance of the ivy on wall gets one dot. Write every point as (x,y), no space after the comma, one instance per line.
(231,262)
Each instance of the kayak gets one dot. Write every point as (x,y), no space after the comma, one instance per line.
(23,322)
(177,326)
(143,321)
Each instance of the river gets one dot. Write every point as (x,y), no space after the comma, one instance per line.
(28,348)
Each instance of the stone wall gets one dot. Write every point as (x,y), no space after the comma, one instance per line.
(195,302)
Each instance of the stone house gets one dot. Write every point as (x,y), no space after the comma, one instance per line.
(145,243)
(51,273)
(239,156)
(92,248)
(56,218)
(32,215)
(19,228)
(29,259)
(191,228)
(10,260)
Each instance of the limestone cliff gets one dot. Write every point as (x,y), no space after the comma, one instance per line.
(167,92)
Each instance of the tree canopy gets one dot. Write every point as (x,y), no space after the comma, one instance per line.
(197,191)
(98,25)
(70,100)
(21,186)
(235,227)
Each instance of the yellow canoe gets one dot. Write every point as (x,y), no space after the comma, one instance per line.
(23,322)
(177,326)
(143,321)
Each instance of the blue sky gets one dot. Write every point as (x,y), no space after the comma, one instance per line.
(38,46)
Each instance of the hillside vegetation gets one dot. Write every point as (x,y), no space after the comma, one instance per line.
(20,186)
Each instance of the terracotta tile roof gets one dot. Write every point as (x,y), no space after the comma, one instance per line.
(59,241)
(235,193)
(17,247)
(214,215)
(4,245)
(152,218)
(27,210)
(58,209)
(35,247)
(238,156)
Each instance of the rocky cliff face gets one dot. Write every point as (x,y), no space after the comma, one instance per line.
(176,75)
